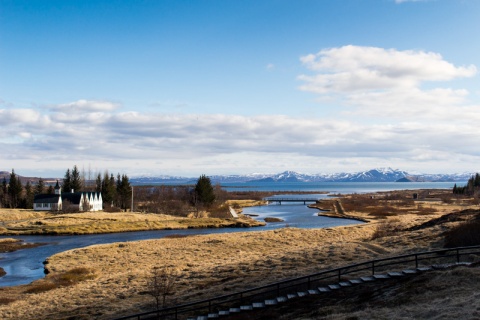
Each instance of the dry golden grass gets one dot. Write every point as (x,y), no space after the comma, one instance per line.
(19,214)
(212,265)
(28,222)
(245,203)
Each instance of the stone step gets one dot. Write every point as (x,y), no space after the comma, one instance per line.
(234,310)
(292,295)
(212,315)
(409,271)
(271,302)
(424,269)
(302,294)
(246,308)
(355,281)
(223,313)
(395,274)
(313,291)
(367,279)
(323,289)
(381,276)
(333,286)
(202,318)
(345,284)
(281,299)
(257,305)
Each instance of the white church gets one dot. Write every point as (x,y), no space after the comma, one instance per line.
(78,201)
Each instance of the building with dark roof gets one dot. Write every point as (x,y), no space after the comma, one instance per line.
(77,201)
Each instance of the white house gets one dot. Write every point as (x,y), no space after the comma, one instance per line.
(78,201)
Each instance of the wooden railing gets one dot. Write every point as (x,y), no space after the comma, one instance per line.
(372,267)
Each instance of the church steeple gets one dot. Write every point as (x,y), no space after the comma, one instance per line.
(58,190)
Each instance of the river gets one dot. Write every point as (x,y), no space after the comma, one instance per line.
(25,266)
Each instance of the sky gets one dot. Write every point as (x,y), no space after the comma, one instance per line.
(184,88)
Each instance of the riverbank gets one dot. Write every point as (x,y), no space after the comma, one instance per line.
(107,281)
(28,222)
(110,280)
(10,245)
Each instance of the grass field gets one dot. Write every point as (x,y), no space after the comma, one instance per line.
(111,280)
(18,222)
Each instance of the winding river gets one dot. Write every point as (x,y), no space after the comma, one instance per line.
(25,266)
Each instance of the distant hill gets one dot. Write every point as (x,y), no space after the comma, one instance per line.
(373,175)
(33,180)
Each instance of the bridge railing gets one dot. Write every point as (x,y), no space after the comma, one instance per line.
(280,200)
(372,267)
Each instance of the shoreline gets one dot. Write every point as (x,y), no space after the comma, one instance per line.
(213,264)
(334,214)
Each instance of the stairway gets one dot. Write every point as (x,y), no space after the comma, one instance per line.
(321,290)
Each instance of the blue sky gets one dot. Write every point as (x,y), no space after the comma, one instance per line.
(233,87)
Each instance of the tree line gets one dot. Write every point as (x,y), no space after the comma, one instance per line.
(116,192)
(472,187)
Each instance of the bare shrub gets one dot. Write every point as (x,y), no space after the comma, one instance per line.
(110,208)
(221,211)
(41,287)
(68,207)
(4,301)
(387,229)
(422,209)
(161,284)
(383,211)
(68,278)
(74,276)
(465,234)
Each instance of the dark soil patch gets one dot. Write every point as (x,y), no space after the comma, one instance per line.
(464,215)
(17,245)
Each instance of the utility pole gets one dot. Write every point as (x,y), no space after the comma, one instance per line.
(131,209)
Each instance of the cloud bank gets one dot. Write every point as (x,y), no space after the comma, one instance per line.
(387,118)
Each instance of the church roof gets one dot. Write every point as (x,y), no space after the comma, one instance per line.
(46,198)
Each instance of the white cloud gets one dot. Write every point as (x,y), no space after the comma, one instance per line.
(353,68)
(380,83)
(83,105)
(390,120)
(219,143)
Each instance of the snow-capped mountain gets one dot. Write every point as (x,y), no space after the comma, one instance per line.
(373,175)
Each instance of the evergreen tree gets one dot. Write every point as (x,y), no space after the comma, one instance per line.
(40,187)
(98,183)
(109,189)
(50,189)
(14,190)
(204,191)
(29,196)
(67,182)
(4,194)
(124,191)
(76,180)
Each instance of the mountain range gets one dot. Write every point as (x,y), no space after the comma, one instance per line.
(373,175)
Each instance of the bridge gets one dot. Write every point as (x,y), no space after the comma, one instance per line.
(279,200)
